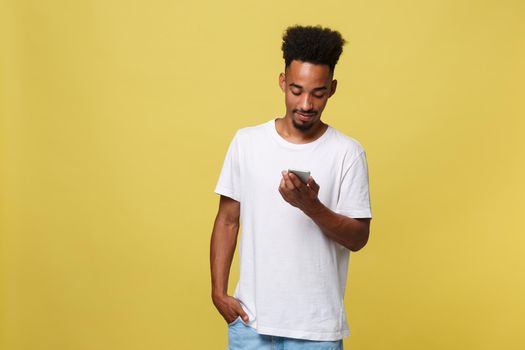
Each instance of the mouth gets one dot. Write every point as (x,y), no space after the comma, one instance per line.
(305,117)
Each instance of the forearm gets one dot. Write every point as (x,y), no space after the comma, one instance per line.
(351,233)
(222,249)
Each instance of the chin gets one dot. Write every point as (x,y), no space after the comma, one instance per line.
(302,126)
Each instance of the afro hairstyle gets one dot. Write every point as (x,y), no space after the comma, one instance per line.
(313,44)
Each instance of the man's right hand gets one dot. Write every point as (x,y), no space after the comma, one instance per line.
(230,308)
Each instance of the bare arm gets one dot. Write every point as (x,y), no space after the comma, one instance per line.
(349,232)
(222,249)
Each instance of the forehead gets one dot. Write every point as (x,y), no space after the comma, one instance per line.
(308,74)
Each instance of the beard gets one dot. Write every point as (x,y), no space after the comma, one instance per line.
(303,126)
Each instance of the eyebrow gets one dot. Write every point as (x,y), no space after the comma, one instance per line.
(315,89)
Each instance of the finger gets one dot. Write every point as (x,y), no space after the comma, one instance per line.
(289,185)
(281,191)
(281,184)
(283,194)
(240,311)
(296,181)
(312,184)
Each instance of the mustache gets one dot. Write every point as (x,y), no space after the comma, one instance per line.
(308,112)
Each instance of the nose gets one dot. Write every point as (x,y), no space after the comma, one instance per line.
(306,102)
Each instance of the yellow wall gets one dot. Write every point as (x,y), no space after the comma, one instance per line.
(115,118)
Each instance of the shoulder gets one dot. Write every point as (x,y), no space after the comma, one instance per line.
(249,133)
(348,149)
(346,143)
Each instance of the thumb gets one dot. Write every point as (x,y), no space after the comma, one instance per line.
(312,184)
(242,313)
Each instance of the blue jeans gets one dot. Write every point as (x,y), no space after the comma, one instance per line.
(243,337)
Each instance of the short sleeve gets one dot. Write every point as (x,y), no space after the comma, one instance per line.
(229,179)
(354,197)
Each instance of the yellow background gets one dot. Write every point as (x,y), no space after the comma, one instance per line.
(115,119)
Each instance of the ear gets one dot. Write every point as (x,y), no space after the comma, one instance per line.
(282,81)
(333,87)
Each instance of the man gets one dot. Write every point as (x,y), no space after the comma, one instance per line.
(296,236)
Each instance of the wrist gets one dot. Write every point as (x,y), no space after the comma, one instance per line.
(216,295)
(315,208)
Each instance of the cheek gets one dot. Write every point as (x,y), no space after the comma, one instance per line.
(290,100)
(321,104)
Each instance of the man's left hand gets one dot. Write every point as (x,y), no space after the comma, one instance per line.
(299,194)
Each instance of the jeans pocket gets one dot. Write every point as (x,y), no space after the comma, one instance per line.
(234,321)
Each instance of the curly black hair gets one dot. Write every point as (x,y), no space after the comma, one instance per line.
(313,44)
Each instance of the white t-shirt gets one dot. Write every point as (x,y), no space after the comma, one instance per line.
(292,277)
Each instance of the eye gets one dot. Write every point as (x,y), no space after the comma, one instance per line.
(319,96)
(296,93)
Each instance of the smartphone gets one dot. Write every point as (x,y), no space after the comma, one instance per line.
(303,175)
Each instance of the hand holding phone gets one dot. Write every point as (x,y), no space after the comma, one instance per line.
(301,174)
